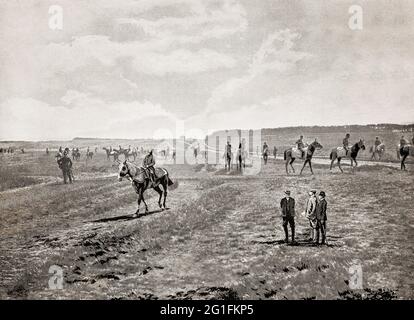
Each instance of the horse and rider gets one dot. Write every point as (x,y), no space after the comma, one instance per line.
(378,148)
(146,177)
(291,154)
(346,152)
(404,150)
(265,152)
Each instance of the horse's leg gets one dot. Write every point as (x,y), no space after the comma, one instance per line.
(143,200)
(157,188)
(139,202)
(303,167)
(286,165)
(291,161)
(310,166)
(165,186)
(403,163)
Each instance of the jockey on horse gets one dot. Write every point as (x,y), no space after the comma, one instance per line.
(148,164)
(299,143)
(345,143)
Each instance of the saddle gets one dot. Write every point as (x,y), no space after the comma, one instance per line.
(341,151)
(298,153)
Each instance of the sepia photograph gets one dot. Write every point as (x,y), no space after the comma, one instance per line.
(209,150)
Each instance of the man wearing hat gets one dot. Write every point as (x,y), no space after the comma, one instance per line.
(65,164)
(321,217)
(310,213)
(287,205)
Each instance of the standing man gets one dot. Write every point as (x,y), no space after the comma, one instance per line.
(321,217)
(287,206)
(310,213)
(345,143)
(65,164)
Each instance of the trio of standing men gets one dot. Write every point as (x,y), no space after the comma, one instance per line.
(315,212)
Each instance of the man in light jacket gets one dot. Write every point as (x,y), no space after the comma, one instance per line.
(310,213)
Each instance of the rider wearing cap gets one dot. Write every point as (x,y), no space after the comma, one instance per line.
(345,142)
(148,164)
(299,143)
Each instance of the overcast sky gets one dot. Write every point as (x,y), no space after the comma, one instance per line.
(136,68)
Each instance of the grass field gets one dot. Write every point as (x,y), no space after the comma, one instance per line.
(221,237)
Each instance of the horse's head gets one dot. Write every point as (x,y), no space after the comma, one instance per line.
(361,144)
(317,145)
(123,169)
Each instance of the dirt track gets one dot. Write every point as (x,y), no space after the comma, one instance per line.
(220,238)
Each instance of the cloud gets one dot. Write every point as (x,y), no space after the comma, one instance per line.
(31,119)
(276,56)
(204,19)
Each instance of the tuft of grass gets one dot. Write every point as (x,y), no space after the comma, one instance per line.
(15,177)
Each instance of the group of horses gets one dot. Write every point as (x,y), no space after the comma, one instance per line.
(115,153)
(307,152)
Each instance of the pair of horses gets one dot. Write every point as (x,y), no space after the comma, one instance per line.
(115,153)
(140,180)
(336,154)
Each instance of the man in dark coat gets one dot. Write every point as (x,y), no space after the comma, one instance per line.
(65,164)
(287,206)
(321,217)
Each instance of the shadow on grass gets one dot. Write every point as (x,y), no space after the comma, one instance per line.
(128,216)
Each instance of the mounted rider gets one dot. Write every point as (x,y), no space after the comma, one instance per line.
(299,143)
(345,143)
(148,164)
(377,142)
(403,142)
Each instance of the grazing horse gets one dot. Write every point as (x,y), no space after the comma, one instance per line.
(141,181)
(339,153)
(403,153)
(377,150)
(291,154)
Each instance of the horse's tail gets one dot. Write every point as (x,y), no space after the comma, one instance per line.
(170,183)
(284,155)
(331,155)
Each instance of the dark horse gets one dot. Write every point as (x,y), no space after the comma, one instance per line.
(289,155)
(404,152)
(339,153)
(141,181)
